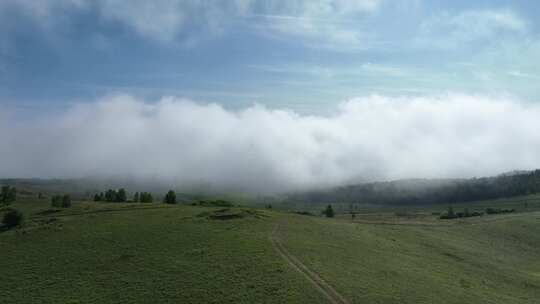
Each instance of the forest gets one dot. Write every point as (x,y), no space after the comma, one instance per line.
(427,191)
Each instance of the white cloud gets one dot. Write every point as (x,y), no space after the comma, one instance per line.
(41,12)
(164,20)
(340,25)
(329,24)
(179,141)
(521,74)
(447,30)
(161,19)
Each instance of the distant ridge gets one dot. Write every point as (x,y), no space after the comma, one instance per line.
(515,172)
(427,191)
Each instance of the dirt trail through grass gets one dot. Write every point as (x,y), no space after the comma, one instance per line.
(324,288)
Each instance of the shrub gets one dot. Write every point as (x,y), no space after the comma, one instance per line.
(304,213)
(12,218)
(329,212)
(499,211)
(61,201)
(447,216)
(451,215)
(170,197)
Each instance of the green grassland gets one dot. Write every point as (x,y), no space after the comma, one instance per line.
(156,253)
(136,253)
(520,203)
(488,260)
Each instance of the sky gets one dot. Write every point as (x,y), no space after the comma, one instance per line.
(277,94)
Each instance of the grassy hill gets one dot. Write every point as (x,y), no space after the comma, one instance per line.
(155,253)
(472,261)
(126,253)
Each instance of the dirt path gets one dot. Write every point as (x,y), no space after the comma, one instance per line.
(324,288)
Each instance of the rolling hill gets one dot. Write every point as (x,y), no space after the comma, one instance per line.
(150,253)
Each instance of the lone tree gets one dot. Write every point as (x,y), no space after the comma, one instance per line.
(170,197)
(329,212)
(8,195)
(12,218)
(121,196)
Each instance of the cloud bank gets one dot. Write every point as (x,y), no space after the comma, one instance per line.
(182,142)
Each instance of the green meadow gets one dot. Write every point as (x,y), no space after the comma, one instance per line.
(157,253)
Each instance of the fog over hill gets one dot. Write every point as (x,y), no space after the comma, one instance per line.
(176,141)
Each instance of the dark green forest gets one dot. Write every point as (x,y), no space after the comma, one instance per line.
(426,191)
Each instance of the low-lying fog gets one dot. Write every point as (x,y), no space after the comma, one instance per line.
(179,141)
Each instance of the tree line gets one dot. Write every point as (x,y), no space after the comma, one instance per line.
(111,195)
(425,191)
(120,196)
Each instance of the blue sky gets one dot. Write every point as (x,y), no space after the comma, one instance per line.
(304,55)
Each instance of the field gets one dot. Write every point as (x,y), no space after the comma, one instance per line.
(155,253)
(114,253)
(484,260)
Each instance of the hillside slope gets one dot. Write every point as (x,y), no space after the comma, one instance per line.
(122,253)
(154,253)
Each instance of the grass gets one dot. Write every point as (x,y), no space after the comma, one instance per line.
(473,261)
(157,253)
(520,203)
(120,253)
